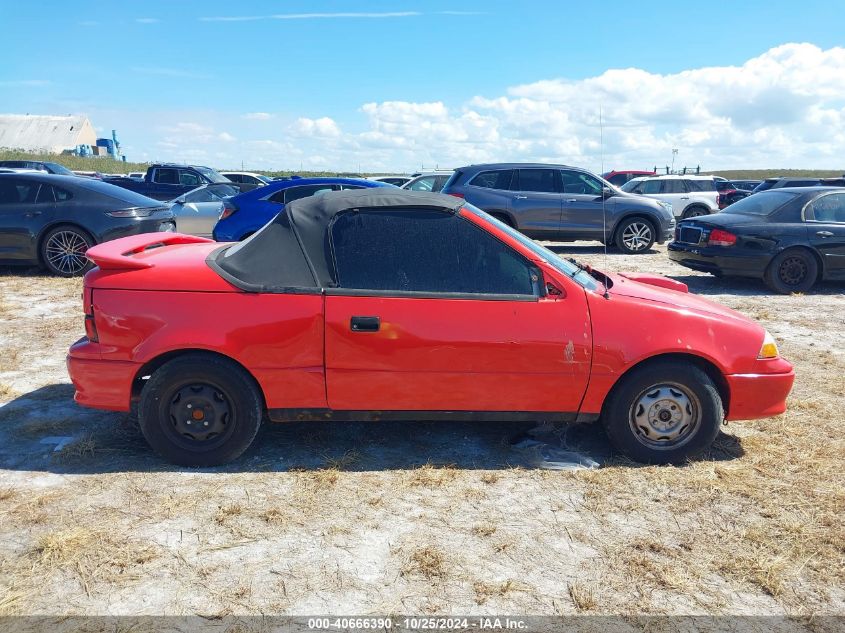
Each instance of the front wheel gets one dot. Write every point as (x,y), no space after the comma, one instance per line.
(635,235)
(200,410)
(663,413)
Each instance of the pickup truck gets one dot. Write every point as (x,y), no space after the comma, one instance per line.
(166,181)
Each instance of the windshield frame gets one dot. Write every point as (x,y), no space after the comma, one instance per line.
(547,256)
(212,174)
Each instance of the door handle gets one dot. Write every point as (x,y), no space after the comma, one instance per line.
(520,197)
(824,233)
(685,198)
(32,214)
(571,200)
(364,324)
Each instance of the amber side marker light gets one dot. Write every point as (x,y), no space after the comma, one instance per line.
(769,348)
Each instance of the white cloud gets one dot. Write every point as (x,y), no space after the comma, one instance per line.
(312,16)
(147,20)
(317,128)
(784,108)
(257,116)
(226,137)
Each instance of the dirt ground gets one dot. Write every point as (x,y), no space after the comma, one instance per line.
(340,518)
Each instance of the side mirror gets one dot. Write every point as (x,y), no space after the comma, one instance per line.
(607,192)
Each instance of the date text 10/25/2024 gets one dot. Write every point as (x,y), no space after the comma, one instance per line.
(416,624)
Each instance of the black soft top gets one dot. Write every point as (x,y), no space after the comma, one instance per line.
(292,253)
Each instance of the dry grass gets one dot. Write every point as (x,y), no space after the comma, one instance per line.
(427,562)
(757,527)
(583,597)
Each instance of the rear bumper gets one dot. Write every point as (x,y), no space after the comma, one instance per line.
(755,396)
(714,259)
(100,384)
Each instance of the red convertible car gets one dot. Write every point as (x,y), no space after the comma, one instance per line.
(378,304)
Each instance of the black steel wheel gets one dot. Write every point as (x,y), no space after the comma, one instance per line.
(200,410)
(793,270)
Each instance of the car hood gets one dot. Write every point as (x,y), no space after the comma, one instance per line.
(668,292)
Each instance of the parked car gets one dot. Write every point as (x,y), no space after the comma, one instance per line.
(746,185)
(251,179)
(165,181)
(38,165)
(690,196)
(618,177)
(137,175)
(396,181)
(789,237)
(779,183)
(428,181)
(52,220)
(197,211)
(556,202)
(345,301)
(728,197)
(244,214)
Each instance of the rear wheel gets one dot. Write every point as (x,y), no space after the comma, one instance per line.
(63,251)
(635,235)
(200,410)
(663,413)
(695,212)
(793,270)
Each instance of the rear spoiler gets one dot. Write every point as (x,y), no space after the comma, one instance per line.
(656,280)
(117,254)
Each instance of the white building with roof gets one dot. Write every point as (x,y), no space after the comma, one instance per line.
(45,133)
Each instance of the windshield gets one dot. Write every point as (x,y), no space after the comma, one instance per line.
(628,187)
(59,169)
(212,175)
(553,259)
(264,178)
(763,203)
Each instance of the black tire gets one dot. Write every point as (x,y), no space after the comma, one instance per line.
(226,410)
(695,211)
(63,251)
(693,417)
(793,270)
(635,235)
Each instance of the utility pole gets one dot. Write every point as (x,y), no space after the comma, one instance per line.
(674,153)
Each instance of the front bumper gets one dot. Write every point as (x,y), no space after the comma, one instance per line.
(715,259)
(763,395)
(100,384)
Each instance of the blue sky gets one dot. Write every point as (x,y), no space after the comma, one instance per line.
(384,84)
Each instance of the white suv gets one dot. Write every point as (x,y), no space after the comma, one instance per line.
(690,196)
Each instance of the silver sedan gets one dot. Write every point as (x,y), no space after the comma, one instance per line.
(197,211)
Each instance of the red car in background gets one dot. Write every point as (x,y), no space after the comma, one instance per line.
(619,177)
(400,305)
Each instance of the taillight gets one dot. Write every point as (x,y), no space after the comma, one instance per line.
(722,201)
(457,195)
(228,209)
(718,237)
(88,308)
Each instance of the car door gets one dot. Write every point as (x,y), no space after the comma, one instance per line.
(197,211)
(536,201)
(584,207)
(166,184)
(21,216)
(433,313)
(825,218)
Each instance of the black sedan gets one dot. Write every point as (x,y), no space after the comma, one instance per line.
(789,237)
(52,220)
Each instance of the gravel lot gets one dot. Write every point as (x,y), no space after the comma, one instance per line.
(419,517)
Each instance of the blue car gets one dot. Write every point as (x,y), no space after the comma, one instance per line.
(245,213)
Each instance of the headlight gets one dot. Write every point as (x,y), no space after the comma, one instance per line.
(668,207)
(769,348)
